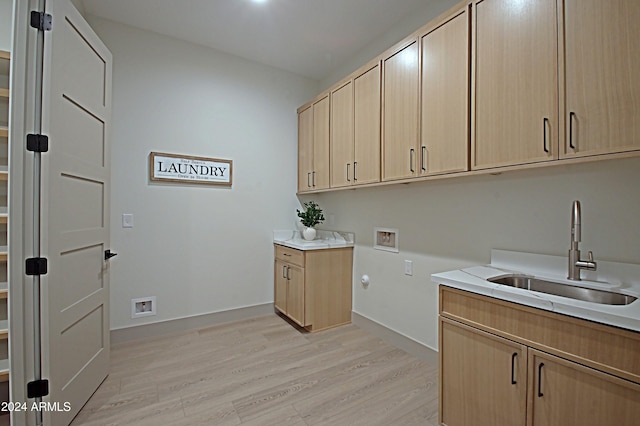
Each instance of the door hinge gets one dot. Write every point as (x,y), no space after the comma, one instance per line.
(41,21)
(36,266)
(38,388)
(37,143)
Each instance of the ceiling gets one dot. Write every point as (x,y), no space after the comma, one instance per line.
(307,37)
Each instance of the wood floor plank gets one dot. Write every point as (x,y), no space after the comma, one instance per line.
(264,371)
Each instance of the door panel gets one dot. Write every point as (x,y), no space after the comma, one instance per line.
(445,97)
(305,149)
(295,295)
(602,68)
(571,394)
(367,126)
(483,377)
(342,136)
(76,187)
(516,103)
(400,113)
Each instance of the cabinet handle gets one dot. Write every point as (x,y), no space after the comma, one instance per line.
(513,368)
(286,254)
(545,122)
(313,179)
(348,180)
(309,180)
(284,272)
(355,165)
(540,394)
(423,156)
(288,278)
(571,117)
(411,152)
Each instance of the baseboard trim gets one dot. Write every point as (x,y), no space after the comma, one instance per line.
(160,328)
(396,339)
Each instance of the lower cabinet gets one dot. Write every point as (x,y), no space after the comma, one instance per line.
(313,287)
(492,375)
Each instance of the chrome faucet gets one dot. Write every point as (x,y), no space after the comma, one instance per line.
(575,264)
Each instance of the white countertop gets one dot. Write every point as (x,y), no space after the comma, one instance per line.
(323,240)
(611,276)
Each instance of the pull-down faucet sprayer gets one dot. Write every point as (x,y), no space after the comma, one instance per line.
(575,264)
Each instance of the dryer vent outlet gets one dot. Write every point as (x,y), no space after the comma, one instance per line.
(143,307)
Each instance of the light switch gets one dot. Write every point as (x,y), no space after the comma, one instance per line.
(408,267)
(127,220)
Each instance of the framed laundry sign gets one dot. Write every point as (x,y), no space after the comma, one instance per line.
(189,169)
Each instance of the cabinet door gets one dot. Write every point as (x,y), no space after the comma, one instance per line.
(342,135)
(295,294)
(515,83)
(367,127)
(602,59)
(280,286)
(400,113)
(565,393)
(305,149)
(483,378)
(445,97)
(320,174)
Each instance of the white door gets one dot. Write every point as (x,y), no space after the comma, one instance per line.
(76,189)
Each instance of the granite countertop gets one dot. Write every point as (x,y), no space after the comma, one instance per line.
(323,240)
(611,276)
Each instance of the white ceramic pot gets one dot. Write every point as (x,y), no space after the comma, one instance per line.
(308,233)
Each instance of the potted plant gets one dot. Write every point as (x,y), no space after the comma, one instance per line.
(310,217)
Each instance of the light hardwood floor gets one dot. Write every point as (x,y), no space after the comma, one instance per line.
(262,372)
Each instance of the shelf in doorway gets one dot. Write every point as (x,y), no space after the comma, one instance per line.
(4,370)
(4,131)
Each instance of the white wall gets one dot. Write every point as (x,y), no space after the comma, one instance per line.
(6,17)
(198,249)
(448,224)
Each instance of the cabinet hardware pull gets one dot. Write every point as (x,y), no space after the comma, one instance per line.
(308,180)
(348,180)
(540,394)
(545,121)
(513,368)
(284,272)
(411,152)
(422,158)
(288,277)
(286,254)
(313,179)
(571,116)
(355,165)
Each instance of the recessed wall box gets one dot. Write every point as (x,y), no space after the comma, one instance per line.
(386,239)
(143,307)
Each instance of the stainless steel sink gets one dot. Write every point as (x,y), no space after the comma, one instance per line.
(564,290)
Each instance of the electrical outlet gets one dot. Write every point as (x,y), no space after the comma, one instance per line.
(408,267)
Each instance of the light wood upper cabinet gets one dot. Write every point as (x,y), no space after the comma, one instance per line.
(355,129)
(342,148)
(320,175)
(400,94)
(313,145)
(305,148)
(516,96)
(602,82)
(367,126)
(445,97)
